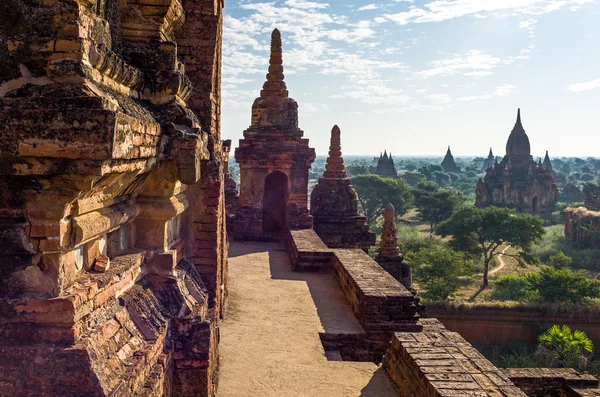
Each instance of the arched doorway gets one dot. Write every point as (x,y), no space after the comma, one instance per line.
(275,201)
(535,205)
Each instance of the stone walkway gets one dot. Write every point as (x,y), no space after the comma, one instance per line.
(270,342)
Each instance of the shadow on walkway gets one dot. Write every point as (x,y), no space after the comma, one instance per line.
(333,308)
(378,385)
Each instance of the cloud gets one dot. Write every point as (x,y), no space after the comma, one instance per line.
(473,98)
(315,41)
(587,86)
(505,90)
(443,10)
(306,5)
(529,23)
(440,99)
(312,107)
(474,63)
(368,7)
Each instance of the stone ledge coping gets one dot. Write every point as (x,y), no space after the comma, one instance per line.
(440,364)
(546,380)
(307,252)
(368,276)
(307,240)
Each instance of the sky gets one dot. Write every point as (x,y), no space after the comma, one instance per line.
(414,76)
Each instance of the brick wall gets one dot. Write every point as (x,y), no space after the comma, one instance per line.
(440,364)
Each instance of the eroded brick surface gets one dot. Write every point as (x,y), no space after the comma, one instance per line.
(112,221)
(538,382)
(443,364)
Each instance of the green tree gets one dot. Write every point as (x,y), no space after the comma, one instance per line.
(490,228)
(437,269)
(375,192)
(564,285)
(561,347)
(436,206)
(560,260)
(586,177)
(413,178)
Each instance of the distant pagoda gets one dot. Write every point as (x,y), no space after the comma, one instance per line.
(334,204)
(489,162)
(448,163)
(518,181)
(386,166)
(274,160)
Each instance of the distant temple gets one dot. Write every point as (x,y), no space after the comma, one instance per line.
(490,161)
(385,166)
(518,181)
(582,224)
(448,163)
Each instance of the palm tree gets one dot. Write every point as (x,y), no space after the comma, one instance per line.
(561,347)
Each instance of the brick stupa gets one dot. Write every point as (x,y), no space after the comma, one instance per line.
(274,161)
(334,204)
(389,256)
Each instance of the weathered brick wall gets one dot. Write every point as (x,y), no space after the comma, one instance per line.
(559,382)
(482,323)
(379,301)
(440,364)
(111,161)
(199,48)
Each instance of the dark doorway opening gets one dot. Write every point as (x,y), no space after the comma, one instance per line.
(275,201)
(534,205)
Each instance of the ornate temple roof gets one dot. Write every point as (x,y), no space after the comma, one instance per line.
(518,141)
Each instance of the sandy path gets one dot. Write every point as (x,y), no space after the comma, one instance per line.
(500,261)
(270,342)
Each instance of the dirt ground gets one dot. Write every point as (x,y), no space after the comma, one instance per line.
(270,342)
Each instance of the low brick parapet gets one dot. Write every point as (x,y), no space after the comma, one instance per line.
(539,382)
(439,364)
(306,251)
(379,301)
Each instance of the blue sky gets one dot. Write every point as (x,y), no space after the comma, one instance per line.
(413,77)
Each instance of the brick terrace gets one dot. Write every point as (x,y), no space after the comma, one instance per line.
(270,343)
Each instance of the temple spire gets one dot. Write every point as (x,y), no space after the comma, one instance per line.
(491,154)
(275,86)
(335,169)
(448,152)
(547,162)
(518,122)
(388,247)
(518,142)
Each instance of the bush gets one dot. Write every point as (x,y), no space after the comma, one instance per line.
(560,260)
(549,286)
(514,288)
(561,347)
(564,285)
(510,354)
